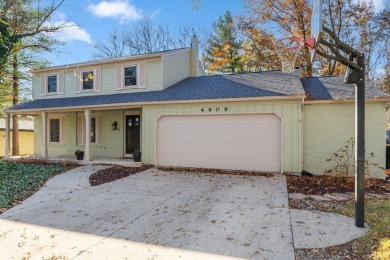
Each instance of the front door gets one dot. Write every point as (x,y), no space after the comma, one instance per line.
(132,133)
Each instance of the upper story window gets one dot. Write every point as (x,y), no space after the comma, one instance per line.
(130,76)
(52,84)
(88,80)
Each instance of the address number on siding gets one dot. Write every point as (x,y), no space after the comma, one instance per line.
(216,109)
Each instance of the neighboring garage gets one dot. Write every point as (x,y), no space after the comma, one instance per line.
(250,141)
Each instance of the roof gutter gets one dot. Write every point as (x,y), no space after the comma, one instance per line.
(138,104)
(368,100)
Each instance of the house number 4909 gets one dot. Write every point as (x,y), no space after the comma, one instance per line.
(217,109)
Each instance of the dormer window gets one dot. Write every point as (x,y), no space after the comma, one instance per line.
(88,80)
(52,84)
(130,76)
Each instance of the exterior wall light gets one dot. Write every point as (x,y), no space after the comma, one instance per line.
(114,126)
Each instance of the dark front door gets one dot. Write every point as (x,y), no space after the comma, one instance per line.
(132,133)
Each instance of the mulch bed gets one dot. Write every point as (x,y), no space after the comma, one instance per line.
(114,173)
(214,171)
(319,185)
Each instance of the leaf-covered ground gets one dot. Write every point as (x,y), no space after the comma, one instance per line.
(319,185)
(114,173)
(19,180)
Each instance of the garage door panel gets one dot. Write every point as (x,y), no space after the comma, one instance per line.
(194,148)
(243,142)
(215,134)
(268,120)
(234,162)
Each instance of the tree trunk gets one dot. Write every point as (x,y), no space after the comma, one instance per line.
(15,101)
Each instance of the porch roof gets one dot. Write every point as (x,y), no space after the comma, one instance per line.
(260,84)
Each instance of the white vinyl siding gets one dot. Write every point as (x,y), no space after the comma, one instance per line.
(150,80)
(108,80)
(70,82)
(153,73)
(176,67)
(36,87)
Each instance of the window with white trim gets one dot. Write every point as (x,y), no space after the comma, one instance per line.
(55,130)
(52,84)
(130,76)
(95,133)
(87,80)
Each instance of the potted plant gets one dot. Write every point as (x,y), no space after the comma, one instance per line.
(137,156)
(79,154)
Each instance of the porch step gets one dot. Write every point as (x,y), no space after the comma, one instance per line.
(120,163)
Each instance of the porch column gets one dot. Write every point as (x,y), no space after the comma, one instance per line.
(87,152)
(44,134)
(7,135)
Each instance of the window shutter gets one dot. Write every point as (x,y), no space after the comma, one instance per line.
(97,82)
(62,130)
(61,83)
(79,82)
(142,75)
(43,85)
(119,78)
(79,129)
(99,129)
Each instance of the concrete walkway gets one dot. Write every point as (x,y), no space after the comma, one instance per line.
(165,215)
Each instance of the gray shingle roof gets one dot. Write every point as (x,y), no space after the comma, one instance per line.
(261,84)
(334,88)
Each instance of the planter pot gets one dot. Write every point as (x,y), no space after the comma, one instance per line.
(79,155)
(137,156)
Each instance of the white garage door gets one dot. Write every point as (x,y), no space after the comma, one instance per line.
(239,142)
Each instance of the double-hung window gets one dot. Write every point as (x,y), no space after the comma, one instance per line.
(54,130)
(87,80)
(52,84)
(130,74)
(95,130)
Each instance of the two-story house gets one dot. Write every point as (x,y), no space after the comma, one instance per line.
(162,104)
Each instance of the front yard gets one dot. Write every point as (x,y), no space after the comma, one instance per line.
(18,180)
(376,244)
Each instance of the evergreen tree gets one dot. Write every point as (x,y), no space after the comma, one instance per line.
(223,53)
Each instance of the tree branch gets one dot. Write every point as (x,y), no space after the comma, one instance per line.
(337,56)
(340,45)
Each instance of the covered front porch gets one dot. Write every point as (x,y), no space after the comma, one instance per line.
(103,135)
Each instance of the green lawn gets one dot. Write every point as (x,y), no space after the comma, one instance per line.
(20,180)
(376,244)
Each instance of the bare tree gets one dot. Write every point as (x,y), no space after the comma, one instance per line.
(144,37)
(115,46)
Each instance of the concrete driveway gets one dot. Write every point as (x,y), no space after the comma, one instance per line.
(159,215)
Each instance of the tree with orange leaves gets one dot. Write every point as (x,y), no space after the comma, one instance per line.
(291,17)
(223,53)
